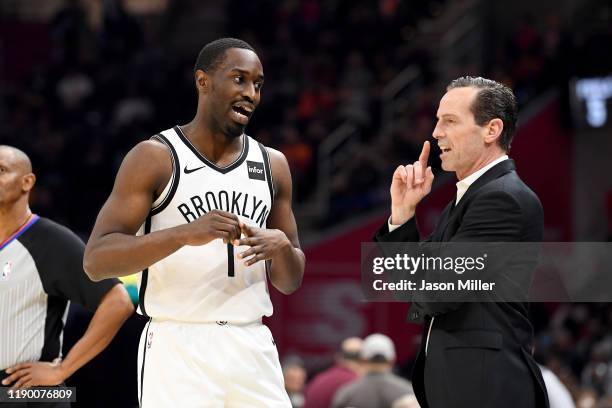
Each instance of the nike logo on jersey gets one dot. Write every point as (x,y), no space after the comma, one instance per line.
(187,171)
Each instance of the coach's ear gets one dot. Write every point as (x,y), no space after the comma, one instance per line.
(493,130)
(202,81)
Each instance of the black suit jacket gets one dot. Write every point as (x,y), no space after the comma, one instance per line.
(479,354)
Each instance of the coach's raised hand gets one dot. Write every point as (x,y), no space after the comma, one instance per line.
(212,225)
(409,185)
(264,244)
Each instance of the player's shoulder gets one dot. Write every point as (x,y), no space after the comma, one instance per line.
(149,161)
(150,149)
(281,172)
(278,161)
(277,154)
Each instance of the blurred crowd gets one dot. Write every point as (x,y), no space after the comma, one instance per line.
(362,375)
(575,342)
(82,95)
(77,97)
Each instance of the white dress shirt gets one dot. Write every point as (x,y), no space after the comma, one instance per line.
(463,185)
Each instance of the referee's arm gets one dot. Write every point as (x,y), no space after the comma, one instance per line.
(113,311)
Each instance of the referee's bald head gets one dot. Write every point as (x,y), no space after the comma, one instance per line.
(16,177)
(16,158)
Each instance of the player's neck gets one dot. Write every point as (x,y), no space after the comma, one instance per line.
(12,218)
(214,145)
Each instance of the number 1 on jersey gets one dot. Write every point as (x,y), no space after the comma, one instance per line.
(230,260)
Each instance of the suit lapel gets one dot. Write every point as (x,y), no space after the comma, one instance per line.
(452,211)
(493,173)
(441,226)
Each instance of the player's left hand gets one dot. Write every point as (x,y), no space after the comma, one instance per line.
(264,243)
(36,373)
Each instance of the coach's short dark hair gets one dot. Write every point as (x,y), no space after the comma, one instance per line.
(213,53)
(494,100)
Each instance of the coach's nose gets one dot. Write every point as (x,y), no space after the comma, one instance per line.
(437,132)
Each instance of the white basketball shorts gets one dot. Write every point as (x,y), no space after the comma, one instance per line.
(209,365)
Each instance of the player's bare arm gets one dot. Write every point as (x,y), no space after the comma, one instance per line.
(279,243)
(113,249)
(113,311)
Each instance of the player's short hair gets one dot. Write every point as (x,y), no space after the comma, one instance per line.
(494,100)
(213,53)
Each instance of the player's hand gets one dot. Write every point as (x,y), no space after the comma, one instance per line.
(212,225)
(264,244)
(37,373)
(409,185)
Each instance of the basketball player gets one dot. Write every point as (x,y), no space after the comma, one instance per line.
(204,212)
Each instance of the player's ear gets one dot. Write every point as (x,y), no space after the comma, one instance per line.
(202,81)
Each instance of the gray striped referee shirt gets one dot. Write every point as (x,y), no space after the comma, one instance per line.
(41,271)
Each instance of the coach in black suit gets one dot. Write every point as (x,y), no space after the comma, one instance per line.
(472,354)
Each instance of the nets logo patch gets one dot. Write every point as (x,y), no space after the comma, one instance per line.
(256,170)
(150,340)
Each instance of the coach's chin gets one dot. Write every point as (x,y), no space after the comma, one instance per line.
(472,354)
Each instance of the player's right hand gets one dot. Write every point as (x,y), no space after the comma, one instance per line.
(212,225)
(409,185)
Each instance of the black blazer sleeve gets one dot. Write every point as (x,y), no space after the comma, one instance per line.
(407,232)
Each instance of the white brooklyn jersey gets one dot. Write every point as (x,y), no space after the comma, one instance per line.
(208,283)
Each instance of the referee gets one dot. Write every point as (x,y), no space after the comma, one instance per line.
(41,271)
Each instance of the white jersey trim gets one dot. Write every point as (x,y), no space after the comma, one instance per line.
(166,196)
(241,158)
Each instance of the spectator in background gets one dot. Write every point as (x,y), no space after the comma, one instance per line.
(70,31)
(321,389)
(299,155)
(379,387)
(294,374)
(597,374)
(586,399)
